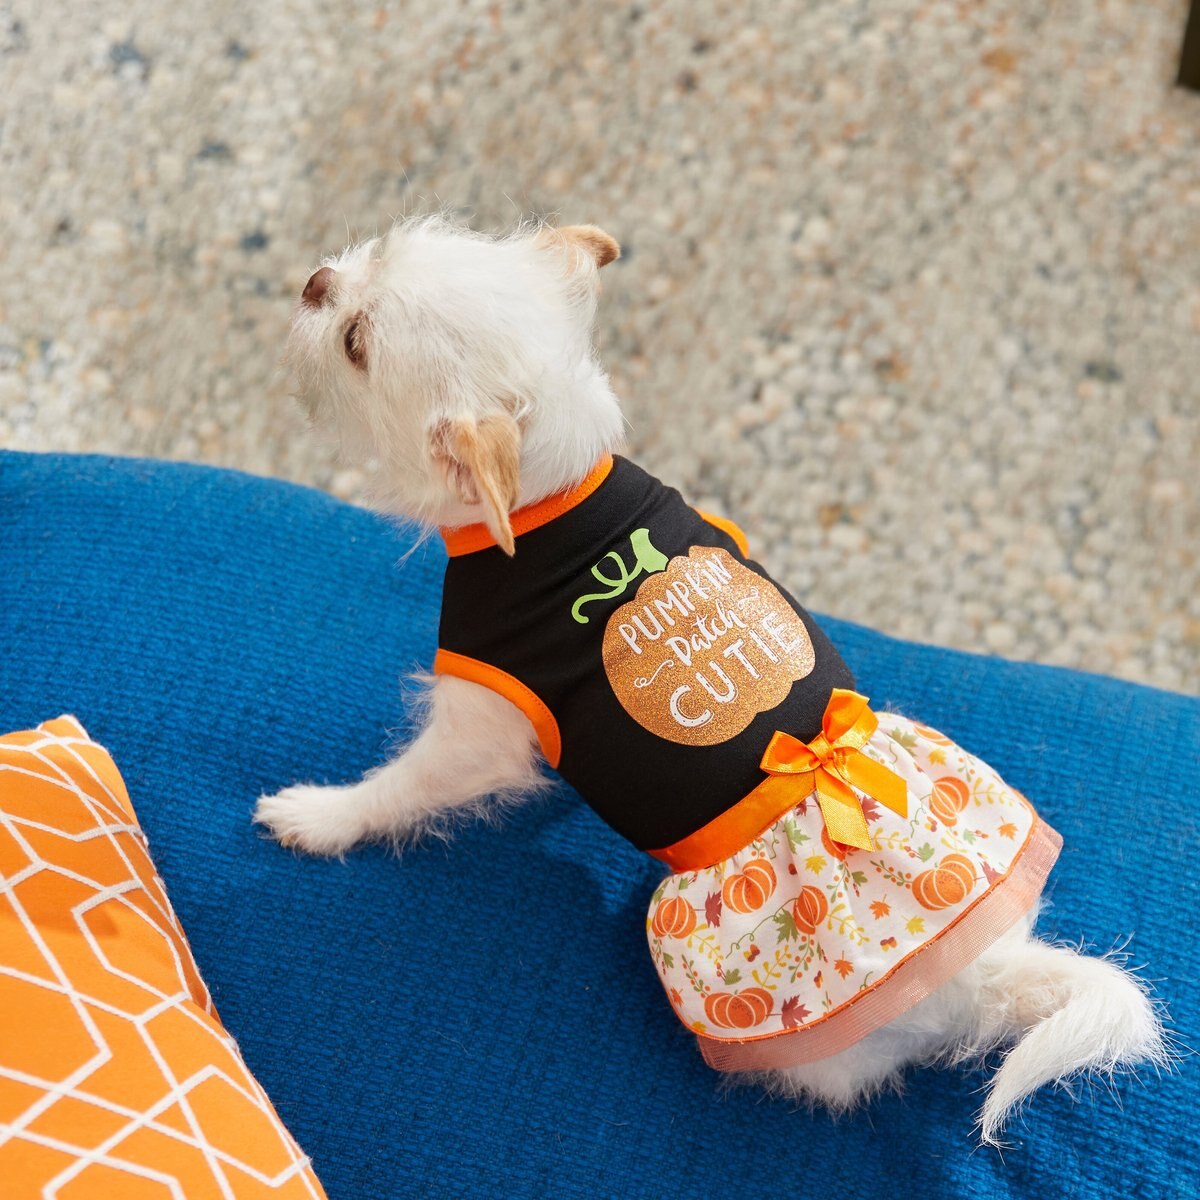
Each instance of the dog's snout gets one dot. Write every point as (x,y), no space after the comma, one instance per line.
(317,288)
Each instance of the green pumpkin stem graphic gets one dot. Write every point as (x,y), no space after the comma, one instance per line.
(647,560)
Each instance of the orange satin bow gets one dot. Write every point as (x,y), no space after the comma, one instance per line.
(834,765)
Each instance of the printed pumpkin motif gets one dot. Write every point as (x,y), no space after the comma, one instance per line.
(948,883)
(750,888)
(674,917)
(739,1010)
(794,926)
(810,909)
(931,735)
(949,798)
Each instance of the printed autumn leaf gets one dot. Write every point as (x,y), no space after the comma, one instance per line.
(733,976)
(870,808)
(668,960)
(793,1013)
(937,756)
(785,925)
(795,835)
(698,1027)
(794,960)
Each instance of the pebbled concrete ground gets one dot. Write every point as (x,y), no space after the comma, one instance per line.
(910,289)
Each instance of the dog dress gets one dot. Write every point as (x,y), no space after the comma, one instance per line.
(830,866)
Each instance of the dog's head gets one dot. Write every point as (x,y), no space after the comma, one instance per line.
(463,363)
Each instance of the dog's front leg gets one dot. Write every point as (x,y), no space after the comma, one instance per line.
(474,744)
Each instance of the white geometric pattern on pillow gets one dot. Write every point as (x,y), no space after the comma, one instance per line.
(116,1076)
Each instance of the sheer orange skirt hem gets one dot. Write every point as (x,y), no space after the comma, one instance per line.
(910,980)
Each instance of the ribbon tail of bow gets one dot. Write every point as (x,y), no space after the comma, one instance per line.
(835,765)
(878,781)
(842,811)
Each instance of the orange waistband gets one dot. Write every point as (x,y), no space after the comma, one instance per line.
(832,765)
(734,829)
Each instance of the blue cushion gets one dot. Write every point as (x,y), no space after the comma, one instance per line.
(483,1018)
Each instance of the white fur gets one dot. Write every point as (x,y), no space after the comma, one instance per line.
(460,325)
(1062,1013)
(473,746)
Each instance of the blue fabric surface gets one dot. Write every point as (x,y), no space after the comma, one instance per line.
(418,1021)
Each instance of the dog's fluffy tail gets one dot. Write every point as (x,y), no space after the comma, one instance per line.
(1073,1014)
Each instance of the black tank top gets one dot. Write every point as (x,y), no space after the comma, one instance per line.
(653,657)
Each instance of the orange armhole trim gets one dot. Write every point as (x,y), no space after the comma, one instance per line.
(513,690)
(727,526)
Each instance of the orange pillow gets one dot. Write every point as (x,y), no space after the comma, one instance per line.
(116,1077)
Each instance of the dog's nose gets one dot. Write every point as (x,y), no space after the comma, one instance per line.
(317,288)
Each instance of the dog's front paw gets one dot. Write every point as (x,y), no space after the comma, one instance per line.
(320,820)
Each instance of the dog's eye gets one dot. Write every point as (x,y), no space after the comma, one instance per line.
(354,339)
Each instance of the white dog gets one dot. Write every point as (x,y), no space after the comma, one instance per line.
(464,364)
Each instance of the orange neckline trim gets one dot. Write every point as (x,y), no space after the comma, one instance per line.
(467,539)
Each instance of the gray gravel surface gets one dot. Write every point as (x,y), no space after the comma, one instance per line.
(911,289)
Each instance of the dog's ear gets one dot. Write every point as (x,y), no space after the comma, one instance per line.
(600,247)
(481,462)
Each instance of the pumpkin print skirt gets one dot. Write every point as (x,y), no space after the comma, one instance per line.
(796,947)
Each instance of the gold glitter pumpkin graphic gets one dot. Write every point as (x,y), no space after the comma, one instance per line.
(703,648)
